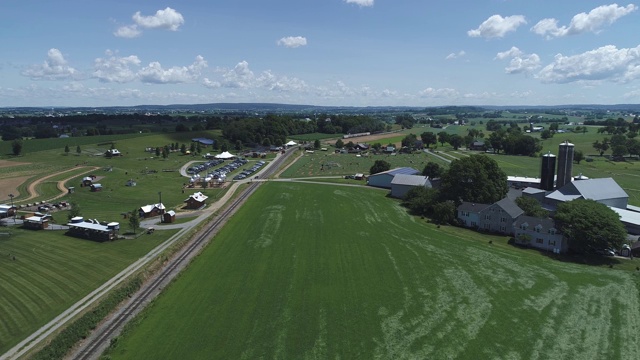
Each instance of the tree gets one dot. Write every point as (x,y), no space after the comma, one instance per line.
(158,151)
(531,207)
(379,166)
(239,145)
(578,156)
(183,148)
(74,210)
(78,150)
(619,151)
(165,152)
(181,127)
(339,144)
(66,150)
(443,138)
(316,144)
(476,178)
(16,147)
(601,147)
(589,226)
(444,212)
(456,141)
(433,170)
(428,138)
(192,148)
(134,220)
(546,134)
(409,141)
(420,200)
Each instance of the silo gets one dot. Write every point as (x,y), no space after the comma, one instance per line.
(565,164)
(547,171)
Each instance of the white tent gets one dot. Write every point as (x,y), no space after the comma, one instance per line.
(291,143)
(225,155)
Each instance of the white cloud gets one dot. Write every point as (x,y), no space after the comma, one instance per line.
(55,67)
(361,3)
(163,19)
(211,84)
(155,73)
(269,81)
(115,69)
(238,77)
(459,54)
(292,41)
(583,22)
(128,31)
(605,63)
(520,62)
(438,93)
(497,26)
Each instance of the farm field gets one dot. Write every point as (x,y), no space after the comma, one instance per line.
(52,271)
(334,272)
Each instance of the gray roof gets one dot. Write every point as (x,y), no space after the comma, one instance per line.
(90,226)
(546,223)
(510,207)
(410,180)
(593,189)
(532,190)
(401,170)
(472,207)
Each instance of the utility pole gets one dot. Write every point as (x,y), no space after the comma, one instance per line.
(14,210)
(160,204)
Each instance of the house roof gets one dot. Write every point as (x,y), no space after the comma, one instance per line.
(510,207)
(199,197)
(87,178)
(545,223)
(171,213)
(592,189)
(410,180)
(472,207)
(149,208)
(398,171)
(532,190)
(91,226)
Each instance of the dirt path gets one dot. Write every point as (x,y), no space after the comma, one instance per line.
(31,189)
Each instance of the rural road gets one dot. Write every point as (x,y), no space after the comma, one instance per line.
(33,193)
(59,321)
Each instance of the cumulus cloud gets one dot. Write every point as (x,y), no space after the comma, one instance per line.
(605,63)
(452,56)
(439,93)
(167,19)
(128,31)
(115,69)
(497,26)
(55,67)
(272,82)
(292,41)
(583,22)
(361,3)
(520,62)
(155,73)
(238,77)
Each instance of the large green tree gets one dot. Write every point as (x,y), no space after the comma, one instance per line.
(428,138)
(476,178)
(433,170)
(16,147)
(134,220)
(531,207)
(379,166)
(589,226)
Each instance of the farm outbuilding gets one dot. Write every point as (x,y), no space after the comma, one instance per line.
(36,222)
(401,184)
(605,191)
(196,201)
(96,187)
(92,229)
(169,217)
(113,152)
(6,210)
(152,210)
(383,179)
(87,181)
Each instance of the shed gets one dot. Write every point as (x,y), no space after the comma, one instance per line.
(36,222)
(383,179)
(401,184)
(87,181)
(96,187)
(7,210)
(169,217)
(196,201)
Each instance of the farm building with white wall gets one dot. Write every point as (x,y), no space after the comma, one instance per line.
(383,179)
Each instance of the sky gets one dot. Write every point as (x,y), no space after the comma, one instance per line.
(318,52)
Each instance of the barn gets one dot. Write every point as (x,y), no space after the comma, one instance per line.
(401,184)
(383,179)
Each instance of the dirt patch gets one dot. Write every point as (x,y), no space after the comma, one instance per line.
(10,186)
(32,187)
(6,163)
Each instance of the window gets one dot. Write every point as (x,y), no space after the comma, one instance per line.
(503,228)
(552,231)
(539,241)
(473,223)
(552,243)
(503,219)
(538,228)
(524,226)
(487,226)
(487,217)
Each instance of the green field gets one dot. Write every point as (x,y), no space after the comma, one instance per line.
(315,271)
(52,271)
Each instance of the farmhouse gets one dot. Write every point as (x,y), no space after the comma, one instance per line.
(401,184)
(383,179)
(469,214)
(152,210)
(497,217)
(196,201)
(477,146)
(92,229)
(605,191)
(539,233)
(36,222)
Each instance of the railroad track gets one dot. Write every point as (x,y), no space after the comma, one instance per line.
(103,335)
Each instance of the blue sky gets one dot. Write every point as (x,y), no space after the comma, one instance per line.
(319,52)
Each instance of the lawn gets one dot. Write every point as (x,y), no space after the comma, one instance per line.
(317,271)
(52,271)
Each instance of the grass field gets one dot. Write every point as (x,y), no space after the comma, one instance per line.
(308,271)
(51,271)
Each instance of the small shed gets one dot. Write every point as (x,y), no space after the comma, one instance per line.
(169,217)
(87,181)
(196,201)
(71,189)
(36,222)
(96,187)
